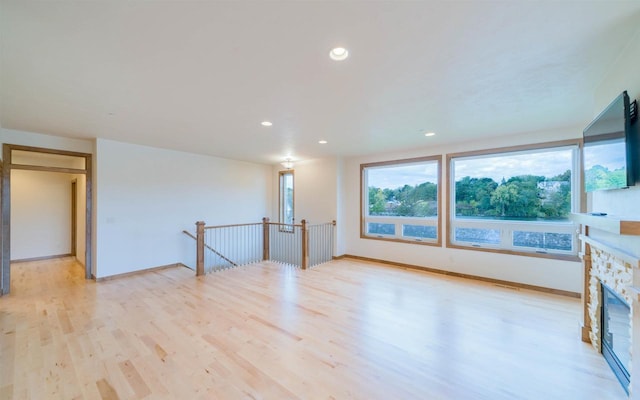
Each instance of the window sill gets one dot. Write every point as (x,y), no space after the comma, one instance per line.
(552,256)
(409,241)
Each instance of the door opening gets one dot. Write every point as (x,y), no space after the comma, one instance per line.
(16,157)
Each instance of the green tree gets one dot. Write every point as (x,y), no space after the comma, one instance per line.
(599,177)
(410,201)
(527,204)
(503,197)
(563,177)
(377,201)
(473,196)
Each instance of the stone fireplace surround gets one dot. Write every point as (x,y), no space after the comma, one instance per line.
(610,247)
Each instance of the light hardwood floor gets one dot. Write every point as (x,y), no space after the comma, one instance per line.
(343,330)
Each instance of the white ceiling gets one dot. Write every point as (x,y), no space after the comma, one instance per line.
(201,76)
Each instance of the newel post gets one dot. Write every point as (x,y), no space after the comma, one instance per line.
(199,248)
(305,245)
(265,239)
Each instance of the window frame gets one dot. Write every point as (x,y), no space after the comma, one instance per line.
(281,210)
(399,221)
(509,227)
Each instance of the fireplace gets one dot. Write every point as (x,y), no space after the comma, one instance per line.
(610,252)
(616,334)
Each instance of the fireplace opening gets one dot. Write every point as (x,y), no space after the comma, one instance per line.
(616,334)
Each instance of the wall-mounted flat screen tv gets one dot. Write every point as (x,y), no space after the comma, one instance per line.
(609,150)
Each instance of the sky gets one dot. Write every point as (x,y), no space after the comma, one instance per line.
(608,154)
(548,164)
(545,163)
(393,177)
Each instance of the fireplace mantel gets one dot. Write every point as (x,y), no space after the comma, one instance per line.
(612,259)
(609,223)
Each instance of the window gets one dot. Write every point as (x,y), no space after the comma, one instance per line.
(400,200)
(515,201)
(286,197)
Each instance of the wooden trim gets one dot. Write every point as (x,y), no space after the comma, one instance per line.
(6,220)
(628,257)
(467,276)
(550,256)
(280,190)
(413,160)
(53,257)
(282,224)
(199,248)
(438,160)
(3,263)
(216,252)
(6,206)
(513,149)
(48,169)
(88,234)
(1,224)
(396,240)
(142,271)
(231,226)
(34,149)
(585,328)
(74,215)
(581,181)
(340,257)
(608,223)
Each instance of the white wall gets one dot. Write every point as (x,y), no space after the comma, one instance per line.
(146,196)
(10,136)
(624,74)
(40,214)
(340,247)
(563,275)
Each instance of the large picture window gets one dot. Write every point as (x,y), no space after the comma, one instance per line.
(400,200)
(517,200)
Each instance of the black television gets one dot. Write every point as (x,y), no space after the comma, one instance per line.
(609,153)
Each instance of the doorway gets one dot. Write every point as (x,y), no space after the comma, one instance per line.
(28,158)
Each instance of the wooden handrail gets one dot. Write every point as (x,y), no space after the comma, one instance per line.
(282,224)
(255,223)
(302,241)
(231,226)
(322,224)
(211,248)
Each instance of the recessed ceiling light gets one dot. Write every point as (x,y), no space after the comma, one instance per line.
(339,54)
(266,123)
(430,134)
(322,141)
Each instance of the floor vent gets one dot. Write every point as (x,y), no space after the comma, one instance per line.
(506,287)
